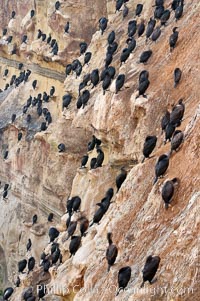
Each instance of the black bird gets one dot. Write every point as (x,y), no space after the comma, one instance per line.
(141,28)
(74,244)
(93,163)
(98,214)
(66,101)
(124,276)
(53,42)
(125,11)
(43,37)
(94,77)
(169,130)
(143,76)
(150,27)
(55,256)
(161,166)
(5,155)
(5,193)
(20,66)
(5,72)
(22,265)
(13,14)
(159,2)
(111,37)
(53,234)
(6,186)
(108,59)
(34,84)
(111,71)
(145,56)
(112,48)
(143,86)
(49,39)
(52,91)
(124,55)
(173,38)
(84,224)
(165,120)
(118,5)
(175,4)
(83,47)
(79,103)
(139,9)
(34,219)
(103,22)
(43,126)
(7,293)
(24,39)
(4,31)
(9,39)
(131,42)
(177,76)
(42,290)
(149,145)
(66,28)
(18,281)
(71,229)
(159,10)
(165,17)
(46,265)
(29,244)
(132,28)
(176,140)
(87,58)
(177,113)
(106,83)
(112,251)
(100,158)
(76,203)
(50,217)
(70,206)
(84,161)
(28,293)
(86,79)
(85,97)
(31,264)
(119,82)
(179,12)
(156,34)
(32,13)
(57,5)
(91,144)
(61,148)
(168,191)
(48,118)
(109,193)
(19,136)
(39,34)
(121,178)
(150,269)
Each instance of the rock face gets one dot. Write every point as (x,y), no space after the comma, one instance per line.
(41,179)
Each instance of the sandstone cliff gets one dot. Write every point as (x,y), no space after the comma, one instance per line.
(41,179)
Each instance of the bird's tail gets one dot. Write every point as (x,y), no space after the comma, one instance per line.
(166,206)
(109,266)
(143,159)
(118,291)
(91,224)
(142,285)
(155,180)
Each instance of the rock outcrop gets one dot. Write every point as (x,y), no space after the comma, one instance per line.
(41,179)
